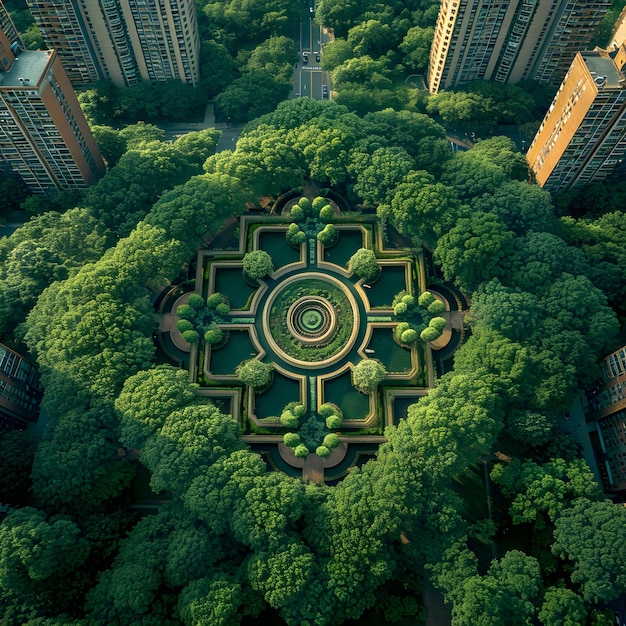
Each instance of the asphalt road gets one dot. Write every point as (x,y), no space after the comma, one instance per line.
(308,76)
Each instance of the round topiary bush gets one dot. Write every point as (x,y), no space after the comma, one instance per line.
(291,440)
(298,410)
(214,335)
(400,309)
(254,373)
(222,308)
(367,375)
(305,204)
(439,323)
(327,213)
(296,213)
(331,440)
(215,299)
(257,264)
(430,334)
(409,336)
(333,422)
(195,300)
(301,451)
(185,311)
(319,203)
(191,336)
(364,264)
(322,451)
(295,236)
(408,300)
(426,299)
(436,307)
(328,408)
(289,420)
(328,235)
(184,325)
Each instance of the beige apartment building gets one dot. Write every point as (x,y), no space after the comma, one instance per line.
(509,40)
(582,138)
(44,136)
(122,41)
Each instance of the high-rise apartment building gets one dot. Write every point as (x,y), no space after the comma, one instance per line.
(44,136)
(8,28)
(606,409)
(509,40)
(20,391)
(122,41)
(582,138)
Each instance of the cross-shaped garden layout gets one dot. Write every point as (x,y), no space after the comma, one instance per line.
(314,334)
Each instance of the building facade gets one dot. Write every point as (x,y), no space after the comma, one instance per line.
(122,41)
(20,391)
(44,136)
(582,138)
(8,28)
(606,408)
(509,41)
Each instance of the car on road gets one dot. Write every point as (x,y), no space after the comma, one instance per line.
(324,91)
(317,58)
(305,59)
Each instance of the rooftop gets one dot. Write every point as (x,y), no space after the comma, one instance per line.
(29,66)
(602,65)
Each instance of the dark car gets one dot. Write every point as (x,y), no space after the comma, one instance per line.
(305,59)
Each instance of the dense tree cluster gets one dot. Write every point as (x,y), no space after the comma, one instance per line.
(231,539)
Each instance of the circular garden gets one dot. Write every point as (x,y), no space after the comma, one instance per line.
(311,318)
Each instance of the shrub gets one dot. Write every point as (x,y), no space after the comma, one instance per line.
(328,408)
(328,235)
(185,311)
(437,307)
(400,309)
(195,301)
(222,308)
(364,264)
(426,299)
(322,451)
(184,325)
(291,440)
(319,203)
(214,335)
(368,374)
(333,421)
(409,300)
(331,440)
(289,420)
(400,328)
(305,204)
(430,334)
(301,451)
(297,214)
(215,299)
(257,264)
(409,336)
(327,214)
(254,373)
(438,323)
(191,336)
(295,236)
(298,410)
